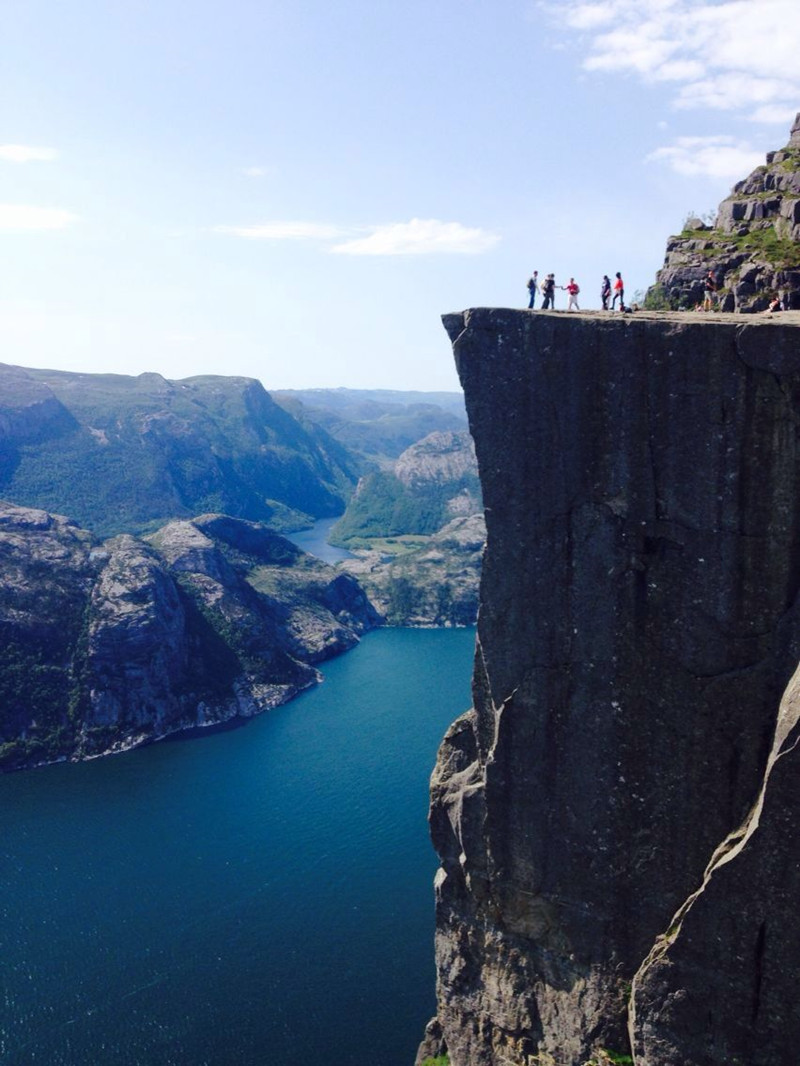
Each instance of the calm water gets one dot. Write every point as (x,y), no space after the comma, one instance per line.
(258,897)
(315,541)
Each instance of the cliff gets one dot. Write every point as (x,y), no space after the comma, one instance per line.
(617,816)
(106,645)
(752,248)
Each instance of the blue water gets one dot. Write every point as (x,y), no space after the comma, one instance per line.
(315,541)
(257,897)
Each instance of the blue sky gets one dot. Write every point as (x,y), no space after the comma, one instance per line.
(296,191)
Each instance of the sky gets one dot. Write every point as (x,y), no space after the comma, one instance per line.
(296,190)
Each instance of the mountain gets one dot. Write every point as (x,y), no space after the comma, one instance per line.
(752,248)
(377,423)
(430,582)
(105,645)
(433,481)
(124,454)
(618,816)
(417,532)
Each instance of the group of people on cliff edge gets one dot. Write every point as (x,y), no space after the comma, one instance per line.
(547,287)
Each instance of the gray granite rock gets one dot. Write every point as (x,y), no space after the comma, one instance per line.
(106,645)
(753,247)
(638,625)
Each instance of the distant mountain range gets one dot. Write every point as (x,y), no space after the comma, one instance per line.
(124,617)
(378,424)
(125,454)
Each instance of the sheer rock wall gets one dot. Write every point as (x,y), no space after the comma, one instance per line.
(618,868)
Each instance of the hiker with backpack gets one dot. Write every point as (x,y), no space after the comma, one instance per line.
(533,286)
(549,293)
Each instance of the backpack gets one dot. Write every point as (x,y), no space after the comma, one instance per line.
(531,285)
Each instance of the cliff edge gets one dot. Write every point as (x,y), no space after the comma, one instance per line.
(617,817)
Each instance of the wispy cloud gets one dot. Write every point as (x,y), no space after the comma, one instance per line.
(417,237)
(26,153)
(712,157)
(22,217)
(420,236)
(733,55)
(258,172)
(284,231)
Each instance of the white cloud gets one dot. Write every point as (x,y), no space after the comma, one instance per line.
(711,157)
(284,231)
(26,153)
(733,55)
(257,172)
(417,237)
(420,237)
(21,217)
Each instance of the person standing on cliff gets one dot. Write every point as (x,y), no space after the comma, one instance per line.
(549,293)
(533,285)
(605,291)
(573,288)
(710,286)
(619,292)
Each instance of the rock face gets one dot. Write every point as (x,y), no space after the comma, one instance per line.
(617,817)
(104,646)
(753,247)
(417,533)
(433,481)
(435,584)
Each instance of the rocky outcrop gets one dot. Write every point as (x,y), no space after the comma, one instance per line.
(617,816)
(417,532)
(124,454)
(433,481)
(752,248)
(106,645)
(434,584)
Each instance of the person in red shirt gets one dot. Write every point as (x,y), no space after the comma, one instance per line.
(619,291)
(573,288)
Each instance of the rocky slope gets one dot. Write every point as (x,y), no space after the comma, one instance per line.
(617,817)
(124,454)
(417,532)
(433,584)
(106,645)
(430,483)
(753,247)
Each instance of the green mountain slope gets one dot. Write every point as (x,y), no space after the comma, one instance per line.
(126,453)
(378,423)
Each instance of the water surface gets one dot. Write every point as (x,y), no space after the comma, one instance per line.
(315,541)
(256,897)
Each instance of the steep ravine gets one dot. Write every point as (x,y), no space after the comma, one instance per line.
(617,819)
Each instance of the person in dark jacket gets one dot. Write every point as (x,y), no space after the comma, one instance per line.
(605,291)
(549,293)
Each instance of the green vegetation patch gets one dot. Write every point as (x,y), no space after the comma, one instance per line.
(763,243)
